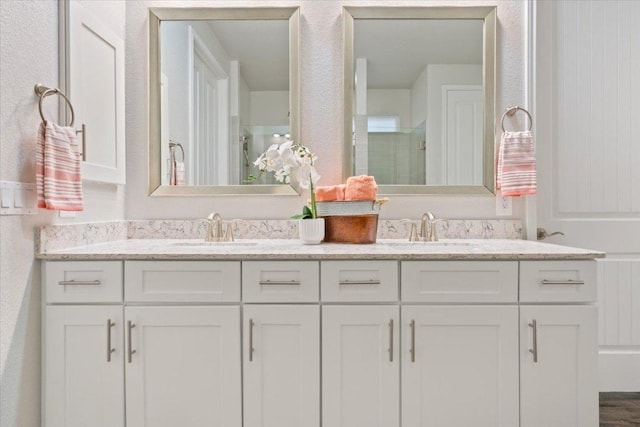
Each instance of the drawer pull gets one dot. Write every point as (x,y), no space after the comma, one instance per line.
(279,283)
(251,340)
(391,340)
(130,351)
(562,282)
(534,350)
(110,350)
(79,282)
(413,341)
(359,282)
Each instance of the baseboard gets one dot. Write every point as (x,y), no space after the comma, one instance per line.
(619,369)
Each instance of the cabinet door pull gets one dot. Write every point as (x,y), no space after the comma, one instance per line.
(110,350)
(279,283)
(391,340)
(130,351)
(359,282)
(413,340)
(561,282)
(251,340)
(534,350)
(79,283)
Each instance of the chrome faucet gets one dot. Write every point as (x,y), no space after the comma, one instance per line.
(214,229)
(427,232)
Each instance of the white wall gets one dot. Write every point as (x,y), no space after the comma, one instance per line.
(390,102)
(321,116)
(29,55)
(269,108)
(419,92)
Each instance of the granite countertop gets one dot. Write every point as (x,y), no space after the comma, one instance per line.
(293,249)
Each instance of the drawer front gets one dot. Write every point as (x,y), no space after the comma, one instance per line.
(280,281)
(365,281)
(82,281)
(558,281)
(182,281)
(460,281)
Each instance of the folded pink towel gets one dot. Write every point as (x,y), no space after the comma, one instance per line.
(361,187)
(330,193)
(58,179)
(516,169)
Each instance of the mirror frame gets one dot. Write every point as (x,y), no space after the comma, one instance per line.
(156,15)
(488,15)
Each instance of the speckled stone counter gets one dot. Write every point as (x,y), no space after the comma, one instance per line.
(293,249)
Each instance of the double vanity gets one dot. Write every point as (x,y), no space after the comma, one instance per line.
(270,332)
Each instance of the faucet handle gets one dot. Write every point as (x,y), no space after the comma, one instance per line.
(413,234)
(228,235)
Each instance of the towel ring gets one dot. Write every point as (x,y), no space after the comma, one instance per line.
(172,147)
(513,110)
(43,92)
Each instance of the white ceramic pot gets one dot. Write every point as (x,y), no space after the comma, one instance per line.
(311,230)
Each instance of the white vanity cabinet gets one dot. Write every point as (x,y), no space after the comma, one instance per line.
(331,343)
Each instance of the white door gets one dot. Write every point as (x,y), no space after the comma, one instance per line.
(460,366)
(183,366)
(83,378)
(360,366)
(281,362)
(95,85)
(558,366)
(204,156)
(587,105)
(463,134)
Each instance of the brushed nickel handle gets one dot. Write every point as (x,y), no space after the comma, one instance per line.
(84,141)
(562,282)
(413,340)
(359,282)
(279,282)
(79,283)
(534,350)
(110,350)
(391,340)
(542,234)
(130,351)
(251,349)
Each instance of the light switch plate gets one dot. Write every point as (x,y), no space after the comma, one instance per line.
(18,198)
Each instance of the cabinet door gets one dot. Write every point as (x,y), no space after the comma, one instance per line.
(558,366)
(460,366)
(281,364)
(360,366)
(183,366)
(83,373)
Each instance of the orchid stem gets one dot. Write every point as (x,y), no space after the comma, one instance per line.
(314,213)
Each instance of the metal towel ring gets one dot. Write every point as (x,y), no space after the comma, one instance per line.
(511,111)
(43,92)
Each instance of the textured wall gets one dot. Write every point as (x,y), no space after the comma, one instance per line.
(321,115)
(29,54)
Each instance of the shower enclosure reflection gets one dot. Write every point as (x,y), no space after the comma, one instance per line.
(224,97)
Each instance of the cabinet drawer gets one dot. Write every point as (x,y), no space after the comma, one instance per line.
(460,281)
(182,281)
(366,281)
(82,281)
(280,281)
(558,281)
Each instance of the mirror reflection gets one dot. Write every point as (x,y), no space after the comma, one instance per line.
(419,98)
(225,98)
(419,109)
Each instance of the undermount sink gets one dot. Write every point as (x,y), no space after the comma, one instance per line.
(215,244)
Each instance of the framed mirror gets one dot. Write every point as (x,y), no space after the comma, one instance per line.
(420,98)
(223,87)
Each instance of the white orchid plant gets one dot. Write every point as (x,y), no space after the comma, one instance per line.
(285,159)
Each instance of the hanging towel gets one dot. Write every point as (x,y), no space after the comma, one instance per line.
(177,167)
(330,193)
(58,178)
(361,187)
(516,170)
(178,173)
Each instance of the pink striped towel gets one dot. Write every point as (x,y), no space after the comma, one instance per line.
(516,171)
(58,179)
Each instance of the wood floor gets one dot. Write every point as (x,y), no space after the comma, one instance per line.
(619,409)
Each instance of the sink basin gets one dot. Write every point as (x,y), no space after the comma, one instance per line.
(426,244)
(214,244)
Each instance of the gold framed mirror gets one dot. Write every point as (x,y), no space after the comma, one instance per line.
(224,85)
(419,87)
